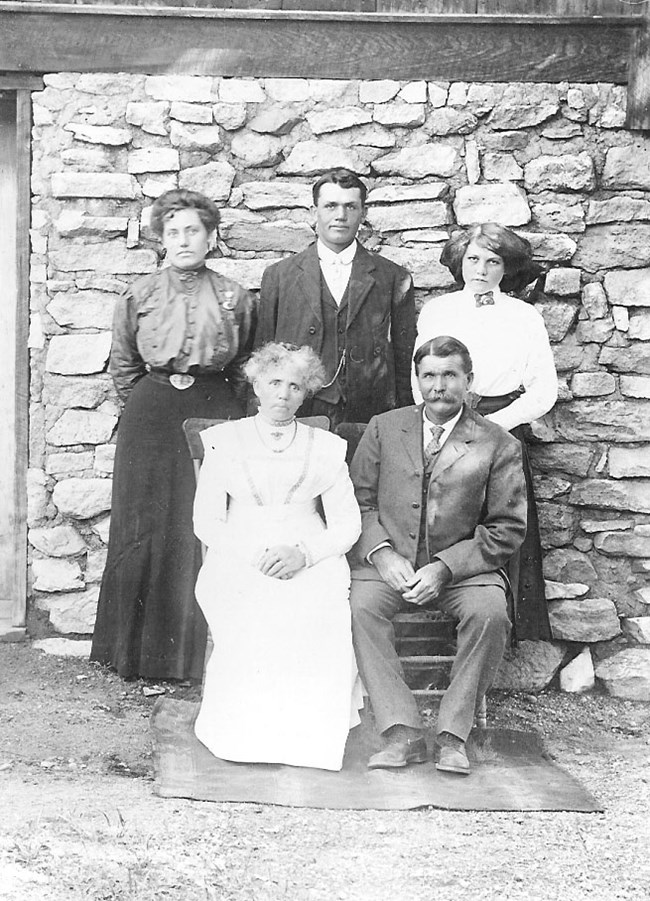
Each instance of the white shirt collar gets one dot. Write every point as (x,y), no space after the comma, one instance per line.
(344,258)
(447,427)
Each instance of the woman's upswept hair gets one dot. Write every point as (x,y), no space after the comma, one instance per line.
(180,199)
(515,251)
(278,355)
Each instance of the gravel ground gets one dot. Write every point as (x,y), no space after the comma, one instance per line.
(79,819)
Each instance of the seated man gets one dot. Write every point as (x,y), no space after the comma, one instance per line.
(443,505)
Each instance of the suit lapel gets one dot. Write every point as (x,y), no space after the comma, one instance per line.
(456,446)
(362,280)
(412,435)
(308,281)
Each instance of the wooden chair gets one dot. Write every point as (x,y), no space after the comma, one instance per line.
(426,639)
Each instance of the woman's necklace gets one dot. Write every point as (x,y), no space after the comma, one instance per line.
(279,430)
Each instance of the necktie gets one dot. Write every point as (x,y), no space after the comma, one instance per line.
(483,300)
(433,446)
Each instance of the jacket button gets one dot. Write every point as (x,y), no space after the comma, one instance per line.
(312,330)
(415,506)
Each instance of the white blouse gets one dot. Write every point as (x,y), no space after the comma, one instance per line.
(509,347)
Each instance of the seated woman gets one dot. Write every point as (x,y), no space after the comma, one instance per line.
(281,684)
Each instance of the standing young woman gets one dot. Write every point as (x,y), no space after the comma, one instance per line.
(180,337)
(515,380)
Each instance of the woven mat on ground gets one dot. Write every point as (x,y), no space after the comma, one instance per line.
(509,772)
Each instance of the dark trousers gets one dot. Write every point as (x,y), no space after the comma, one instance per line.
(483,628)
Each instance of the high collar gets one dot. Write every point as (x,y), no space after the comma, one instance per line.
(344,258)
(468,294)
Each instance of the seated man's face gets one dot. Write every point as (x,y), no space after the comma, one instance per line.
(444,385)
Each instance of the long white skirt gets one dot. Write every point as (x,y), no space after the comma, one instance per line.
(281,684)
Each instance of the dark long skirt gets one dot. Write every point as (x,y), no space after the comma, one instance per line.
(148,621)
(530,619)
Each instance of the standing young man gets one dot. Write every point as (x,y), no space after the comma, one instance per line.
(354,308)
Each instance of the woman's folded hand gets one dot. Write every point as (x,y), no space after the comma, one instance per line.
(281,561)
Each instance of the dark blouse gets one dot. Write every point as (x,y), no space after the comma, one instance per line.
(193,321)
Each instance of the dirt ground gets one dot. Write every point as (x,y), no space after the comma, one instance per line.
(79,820)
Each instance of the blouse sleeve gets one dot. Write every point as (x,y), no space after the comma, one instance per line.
(126,366)
(342,519)
(211,498)
(539,381)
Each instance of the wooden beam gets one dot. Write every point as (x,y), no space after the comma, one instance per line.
(638,90)
(261,43)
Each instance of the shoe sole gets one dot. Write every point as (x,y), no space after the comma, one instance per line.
(396,766)
(453,769)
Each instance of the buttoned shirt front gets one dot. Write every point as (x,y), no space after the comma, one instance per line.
(336,268)
(509,347)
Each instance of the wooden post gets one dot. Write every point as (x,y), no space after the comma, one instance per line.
(638,86)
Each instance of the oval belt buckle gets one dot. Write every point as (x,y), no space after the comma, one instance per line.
(181,380)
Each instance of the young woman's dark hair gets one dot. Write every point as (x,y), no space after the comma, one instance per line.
(515,251)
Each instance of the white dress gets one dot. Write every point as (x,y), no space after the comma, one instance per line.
(281,684)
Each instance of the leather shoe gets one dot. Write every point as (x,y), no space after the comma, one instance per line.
(453,760)
(398,754)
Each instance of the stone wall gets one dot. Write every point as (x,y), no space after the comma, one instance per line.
(553,161)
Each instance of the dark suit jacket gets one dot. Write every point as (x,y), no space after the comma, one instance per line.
(476,504)
(380,331)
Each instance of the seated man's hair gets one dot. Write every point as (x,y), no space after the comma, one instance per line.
(443,346)
(344,178)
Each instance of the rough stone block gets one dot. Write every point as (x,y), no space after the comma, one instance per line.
(524,105)
(78,354)
(264,195)
(437,93)
(72,613)
(94,184)
(419,162)
(276,121)
(287,90)
(558,316)
(569,565)
(99,134)
(402,193)
(213,179)
(627,167)
(315,157)
(399,216)
(628,288)
(553,248)
(153,159)
(530,666)
(606,525)
(639,326)
(337,119)
(593,384)
(400,115)
(51,574)
(113,257)
(58,541)
(623,544)
(603,420)
(578,675)
(501,167)
(586,619)
(191,112)
(567,172)
(611,246)
(82,427)
(573,459)
(558,524)
(629,462)
(104,459)
(186,88)
(561,590)
(423,264)
(632,359)
(627,674)
(596,331)
(635,386)
(448,121)
(188,136)
(241,90)
(82,309)
(505,203)
(103,84)
(82,498)
(617,209)
(230,116)
(247,231)
(77,223)
(625,494)
(257,150)
(594,300)
(414,92)
(333,90)
(247,272)
(564,282)
(378,91)
(155,185)
(68,464)
(636,629)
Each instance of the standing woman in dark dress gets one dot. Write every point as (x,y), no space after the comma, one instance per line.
(514,372)
(180,338)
